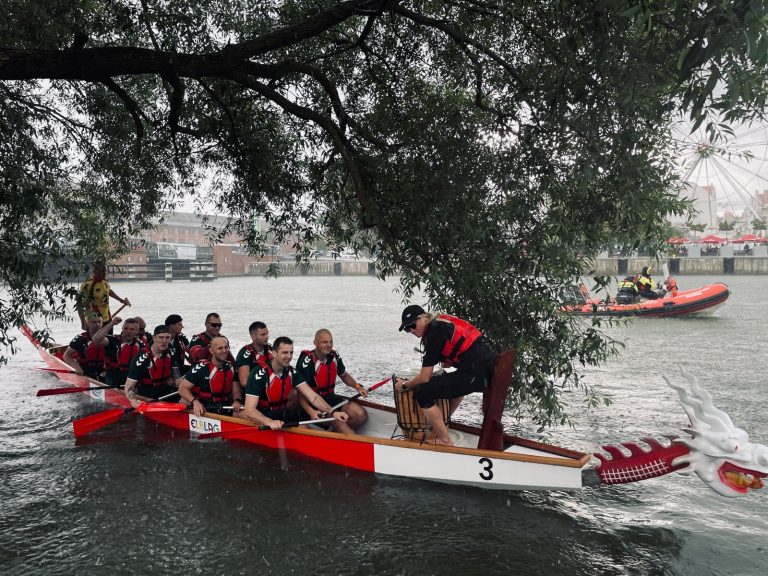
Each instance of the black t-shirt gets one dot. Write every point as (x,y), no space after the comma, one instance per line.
(438,333)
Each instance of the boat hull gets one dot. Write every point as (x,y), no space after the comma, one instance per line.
(702,301)
(379,447)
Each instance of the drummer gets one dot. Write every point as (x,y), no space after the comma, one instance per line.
(454,342)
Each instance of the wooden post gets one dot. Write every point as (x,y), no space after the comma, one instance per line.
(492,431)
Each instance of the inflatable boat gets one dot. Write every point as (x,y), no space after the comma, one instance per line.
(703,301)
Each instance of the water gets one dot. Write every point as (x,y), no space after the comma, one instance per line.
(139,498)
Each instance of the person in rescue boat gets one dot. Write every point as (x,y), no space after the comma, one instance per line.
(251,355)
(627,291)
(320,368)
(94,295)
(453,342)
(272,390)
(83,354)
(208,384)
(645,284)
(179,344)
(121,350)
(150,372)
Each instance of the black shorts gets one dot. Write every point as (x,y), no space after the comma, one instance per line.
(454,384)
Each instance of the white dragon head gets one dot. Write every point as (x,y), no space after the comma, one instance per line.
(720,454)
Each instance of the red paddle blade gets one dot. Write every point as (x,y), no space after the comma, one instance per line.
(93,422)
(53,391)
(160,407)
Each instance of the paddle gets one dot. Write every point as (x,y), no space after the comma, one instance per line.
(356,396)
(54,391)
(250,429)
(56,370)
(88,424)
(118,311)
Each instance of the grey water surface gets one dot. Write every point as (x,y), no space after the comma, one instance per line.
(136,498)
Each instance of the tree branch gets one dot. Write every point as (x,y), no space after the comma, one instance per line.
(133,109)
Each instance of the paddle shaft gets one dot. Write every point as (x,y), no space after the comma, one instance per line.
(356,396)
(117,311)
(251,429)
(55,391)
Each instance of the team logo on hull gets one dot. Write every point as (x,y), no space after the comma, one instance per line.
(203,425)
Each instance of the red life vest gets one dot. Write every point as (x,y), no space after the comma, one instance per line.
(325,372)
(219,383)
(95,359)
(159,370)
(278,390)
(200,352)
(464,335)
(259,358)
(125,354)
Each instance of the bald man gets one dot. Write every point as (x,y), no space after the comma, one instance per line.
(320,368)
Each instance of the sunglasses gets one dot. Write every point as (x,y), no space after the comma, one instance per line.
(410,327)
(215,324)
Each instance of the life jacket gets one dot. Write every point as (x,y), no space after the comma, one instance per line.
(325,372)
(672,286)
(200,352)
(125,354)
(278,390)
(219,383)
(644,284)
(259,358)
(94,360)
(628,285)
(159,369)
(464,335)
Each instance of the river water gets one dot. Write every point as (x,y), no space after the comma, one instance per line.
(135,498)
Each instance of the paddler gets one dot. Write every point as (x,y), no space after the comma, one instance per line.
(86,353)
(252,355)
(94,295)
(453,342)
(320,367)
(150,372)
(207,386)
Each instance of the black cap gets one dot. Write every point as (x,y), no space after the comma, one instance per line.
(172,319)
(410,314)
(161,329)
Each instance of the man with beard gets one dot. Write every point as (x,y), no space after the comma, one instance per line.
(208,384)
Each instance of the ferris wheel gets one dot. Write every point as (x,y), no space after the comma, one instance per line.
(732,169)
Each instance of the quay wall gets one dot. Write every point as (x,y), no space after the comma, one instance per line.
(315,268)
(712,266)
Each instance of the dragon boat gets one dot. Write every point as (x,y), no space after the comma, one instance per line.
(703,301)
(715,450)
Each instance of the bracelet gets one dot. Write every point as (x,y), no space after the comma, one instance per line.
(237,400)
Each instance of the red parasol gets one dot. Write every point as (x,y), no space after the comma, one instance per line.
(711,239)
(749,238)
(677,240)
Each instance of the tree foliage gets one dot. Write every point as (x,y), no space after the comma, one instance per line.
(482,150)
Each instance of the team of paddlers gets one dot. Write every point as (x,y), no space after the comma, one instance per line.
(260,384)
